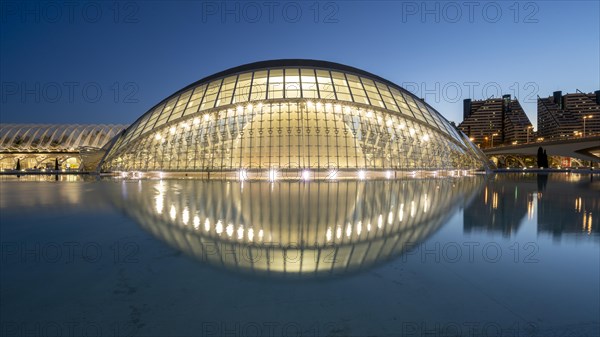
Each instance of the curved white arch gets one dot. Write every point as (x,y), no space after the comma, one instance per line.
(69,137)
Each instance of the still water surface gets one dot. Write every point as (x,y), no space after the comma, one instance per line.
(505,255)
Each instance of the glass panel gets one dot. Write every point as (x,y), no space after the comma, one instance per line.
(162,119)
(195,100)
(455,134)
(181,103)
(198,92)
(341,86)
(211,94)
(153,118)
(309,83)
(426,113)
(358,93)
(259,86)
(325,85)
(438,120)
(242,89)
(372,92)
(413,107)
(139,127)
(292,83)
(226,91)
(386,95)
(401,102)
(275,84)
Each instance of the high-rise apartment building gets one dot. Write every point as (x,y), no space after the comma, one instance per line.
(496,121)
(570,115)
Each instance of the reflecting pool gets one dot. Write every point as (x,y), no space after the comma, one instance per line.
(501,255)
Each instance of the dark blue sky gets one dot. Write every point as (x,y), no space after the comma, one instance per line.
(109,62)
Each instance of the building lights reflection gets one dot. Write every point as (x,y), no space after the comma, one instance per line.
(485,196)
(243,175)
(272,175)
(332,175)
(185,216)
(306,175)
(196,222)
(401,213)
(271,218)
(530,207)
(328,234)
(361,175)
(159,201)
(173,212)
(261,235)
(557,205)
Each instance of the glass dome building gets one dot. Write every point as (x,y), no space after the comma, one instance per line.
(289,119)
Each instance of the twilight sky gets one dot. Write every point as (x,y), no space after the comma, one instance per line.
(109,62)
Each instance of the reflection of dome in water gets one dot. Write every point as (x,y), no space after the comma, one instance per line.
(289,115)
(294,228)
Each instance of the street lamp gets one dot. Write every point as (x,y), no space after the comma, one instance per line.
(528,128)
(494,134)
(584,118)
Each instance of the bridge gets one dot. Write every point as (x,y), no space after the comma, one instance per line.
(586,148)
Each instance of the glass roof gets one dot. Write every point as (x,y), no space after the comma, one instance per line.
(289,80)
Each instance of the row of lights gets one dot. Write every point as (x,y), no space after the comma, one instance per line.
(273,175)
(229,230)
(306,175)
(337,107)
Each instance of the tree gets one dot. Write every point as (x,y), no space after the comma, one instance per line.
(540,157)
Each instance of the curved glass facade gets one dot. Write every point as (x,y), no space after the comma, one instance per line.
(289,115)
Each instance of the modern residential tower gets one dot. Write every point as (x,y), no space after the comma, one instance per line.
(495,121)
(568,116)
